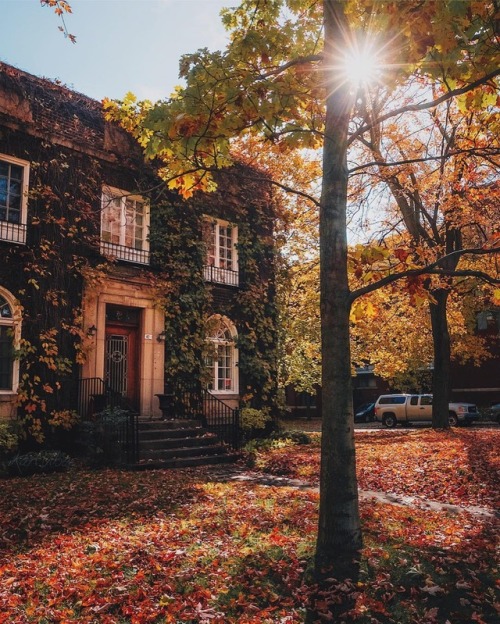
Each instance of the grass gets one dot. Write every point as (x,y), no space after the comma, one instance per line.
(192,547)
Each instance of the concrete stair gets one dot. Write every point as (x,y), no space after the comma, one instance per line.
(178,443)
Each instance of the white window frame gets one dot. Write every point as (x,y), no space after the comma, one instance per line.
(16,232)
(216,323)
(120,249)
(13,323)
(215,271)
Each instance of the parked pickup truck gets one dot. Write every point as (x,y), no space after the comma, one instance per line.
(391,409)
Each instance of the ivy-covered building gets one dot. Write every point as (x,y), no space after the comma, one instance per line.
(107,277)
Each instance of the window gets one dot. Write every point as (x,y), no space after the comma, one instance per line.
(8,365)
(392,400)
(124,226)
(221,264)
(222,360)
(13,199)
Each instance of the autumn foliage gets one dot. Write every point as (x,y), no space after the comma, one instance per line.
(192,546)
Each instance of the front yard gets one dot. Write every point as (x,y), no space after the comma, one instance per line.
(199,546)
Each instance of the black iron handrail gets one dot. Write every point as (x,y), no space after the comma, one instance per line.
(122,252)
(221,419)
(94,395)
(192,401)
(115,418)
(13,232)
(219,275)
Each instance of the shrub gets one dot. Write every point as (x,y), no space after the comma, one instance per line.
(278,439)
(295,437)
(101,441)
(251,419)
(63,419)
(9,438)
(38,462)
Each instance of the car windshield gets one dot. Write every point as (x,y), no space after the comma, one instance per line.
(364,407)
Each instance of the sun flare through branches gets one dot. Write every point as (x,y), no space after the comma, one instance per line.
(361,65)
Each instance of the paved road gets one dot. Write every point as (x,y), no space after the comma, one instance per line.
(314,424)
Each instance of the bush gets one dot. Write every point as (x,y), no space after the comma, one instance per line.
(251,419)
(101,441)
(278,440)
(38,462)
(295,437)
(63,419)
(9,438)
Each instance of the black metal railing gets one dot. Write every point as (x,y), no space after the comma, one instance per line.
(122,252)
(94,395)
(220,276)
(192,401)
(108,423)
(221,419)
(13,232)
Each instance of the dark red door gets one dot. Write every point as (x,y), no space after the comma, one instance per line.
(121,361)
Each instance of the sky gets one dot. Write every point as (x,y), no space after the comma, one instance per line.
(121,45)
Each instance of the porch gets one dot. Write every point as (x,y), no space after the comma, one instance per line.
(195,428)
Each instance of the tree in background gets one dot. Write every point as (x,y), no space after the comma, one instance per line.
(441,169)
(283,79)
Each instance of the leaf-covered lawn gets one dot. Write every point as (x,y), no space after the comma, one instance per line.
(186,547)
(459,466)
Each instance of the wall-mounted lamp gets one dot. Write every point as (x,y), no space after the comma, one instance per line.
(91,331)
(162,336)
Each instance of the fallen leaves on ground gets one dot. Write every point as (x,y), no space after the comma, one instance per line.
(458,466)
(188,547)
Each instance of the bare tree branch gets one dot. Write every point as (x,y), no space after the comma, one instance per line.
(301,60)
(433,269)
(483,152)
(424,105)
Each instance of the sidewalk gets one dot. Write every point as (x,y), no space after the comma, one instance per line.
(237,473)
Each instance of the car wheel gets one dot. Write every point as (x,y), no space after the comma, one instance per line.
(389,421)
(452,419)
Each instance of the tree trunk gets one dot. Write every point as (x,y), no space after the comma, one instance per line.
(441,385)
(339,531)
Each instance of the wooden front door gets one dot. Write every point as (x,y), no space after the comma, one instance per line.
(122,361)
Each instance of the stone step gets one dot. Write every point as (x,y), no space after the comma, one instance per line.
(177,423)
(185,462)
(188,451)
(169,443)
(163,434)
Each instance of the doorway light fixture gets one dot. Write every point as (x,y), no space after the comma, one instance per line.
(162,336)
(91,331)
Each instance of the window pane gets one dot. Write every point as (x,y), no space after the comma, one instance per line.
(16,172)
(6,359)
(10,192)
(5,311)
(110,220)
(225,247)
(209,238)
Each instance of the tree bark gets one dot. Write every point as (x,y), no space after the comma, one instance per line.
(339,530)
(441,386)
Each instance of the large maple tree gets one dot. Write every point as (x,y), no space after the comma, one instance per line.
(282,78)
